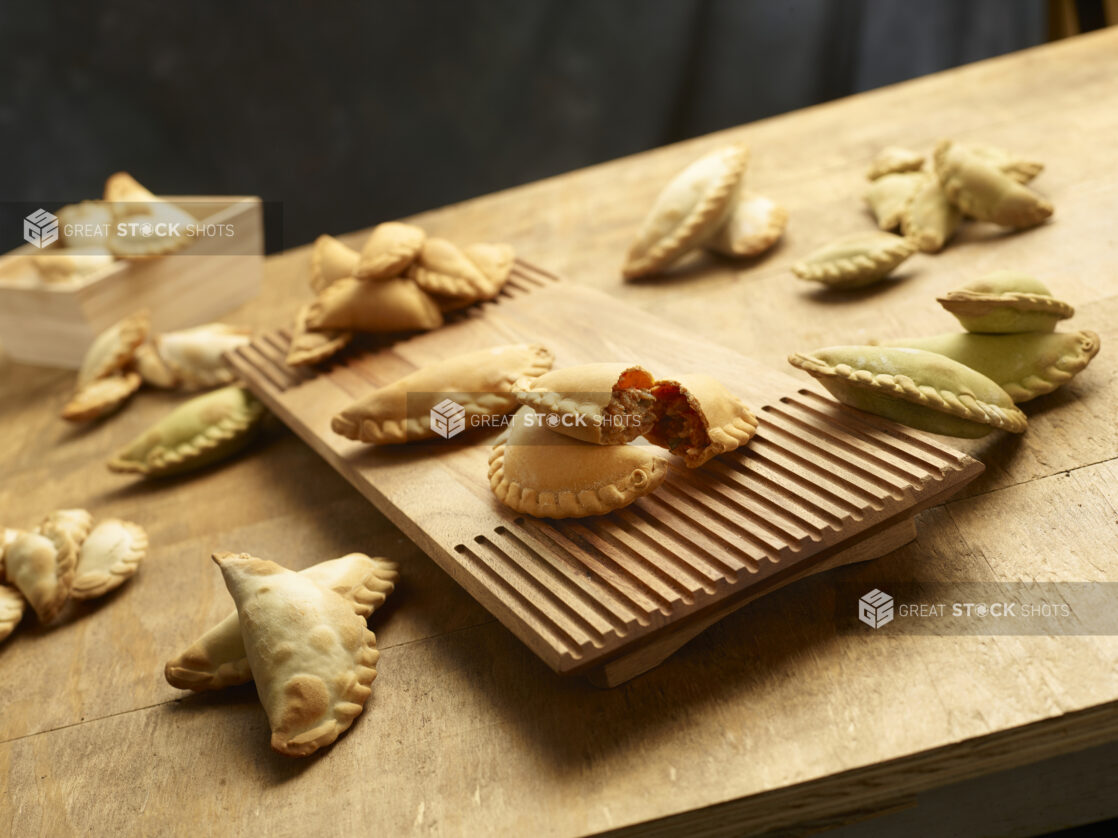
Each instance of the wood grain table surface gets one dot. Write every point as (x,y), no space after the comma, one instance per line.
(774,719)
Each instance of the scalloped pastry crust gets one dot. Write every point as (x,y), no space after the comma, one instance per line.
(482,382)
(855,261)
(1004,303)
(985,192)
(109,556)
(444,271)
(12,606)
(698,418)
(388,305)
(755,224)
(309,347)
(390,248)
(130,202)
(42,569)
(330,261)
(112,350)
(101,397)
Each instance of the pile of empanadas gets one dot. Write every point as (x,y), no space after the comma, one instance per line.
(67,556)
(125,356)
(129,223)
(928,200)
(964,384)
(301,637)
(706,205)
(567,454)
(401,281)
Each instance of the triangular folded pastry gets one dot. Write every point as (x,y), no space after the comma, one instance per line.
(928,219)
(309,347)
(481,383)
(42,569)
(152,226)
(390,248)
(606,403)
(445,272)
(330,261)
(1021,169)
(688,210)
(698,418)
(1004,303)
(112,350)
(202,431)
(985,192)
(1025,365)
(196,356)
(854,261)
(754,225)
(889,194)
(101,397)
(12,605)
(217,659)
(389,305)
(311,656)
(916,388)
(539,472)
(108,557)
(894,160)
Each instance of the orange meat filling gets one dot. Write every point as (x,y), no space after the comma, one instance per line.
(679,427)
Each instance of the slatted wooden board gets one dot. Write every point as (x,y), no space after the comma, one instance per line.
(818,486)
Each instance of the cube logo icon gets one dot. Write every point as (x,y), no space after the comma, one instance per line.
(40,228)
(875,609)
(448,418)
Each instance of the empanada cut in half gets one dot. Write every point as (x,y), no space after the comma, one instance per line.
(388,305)
(204,430)
(481,382)
(1006,302)
(889,194)
(153,226)
(311,656)
(390,248)
(690,208)
(330,261)
(985,192)
(12,605)
(108,557)
(1025,365)
(444,271)
(920,389)
(755,224)
(196,356)
(538,472)
(101,397)
(309,347)
(42,570)
(112,350)
(854,261)
(928,219)
(895,160)
(607,403)
(698,418)
(217,659)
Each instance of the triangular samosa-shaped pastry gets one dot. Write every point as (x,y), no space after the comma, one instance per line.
(330,261)
(388,305)
(390,248)
(985,192)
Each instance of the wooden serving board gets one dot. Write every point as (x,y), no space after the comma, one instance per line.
(611,596)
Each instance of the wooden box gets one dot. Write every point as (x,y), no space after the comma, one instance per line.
(54,324)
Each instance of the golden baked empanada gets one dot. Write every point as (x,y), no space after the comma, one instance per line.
(201,431)
(85,225)
(894,160)
(217,659)
(480,382)
(494,261)
(854,261)
(985,192)
(113,349)
(330,261)
(12,605)
(389,305)
(607,403)
(42,570)
(108,557)
(67,528)
(152,368)
(196,356)
(889,194)
(698,418)
(539,472)
(444,271)
(101,397)
(688,210)
(755,224)
(151,226)
(928,219)
(390,248)
(309,347)
(311,656)
(1006,302)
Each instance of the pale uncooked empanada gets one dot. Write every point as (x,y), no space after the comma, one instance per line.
(330,261)
(1004,303)
(57,265)
(389,305)
(101,397)
(217,659)
(42,570)
(755,224)
(690,208)
(12,605)
(444,271)
(855,261)
(152,368)
(201,431)
(108,557)
(309,347)
(196,356)
(1025,365)
(889,194)
(112,350)
(144,225)
(698,418)
(607,403)
(539,472)
(67,528)
(914,387)
(1021,169)
(481,382)
(390,248)
(311,656)
(928,219)
(895,160)
(85,225)
(985,192)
